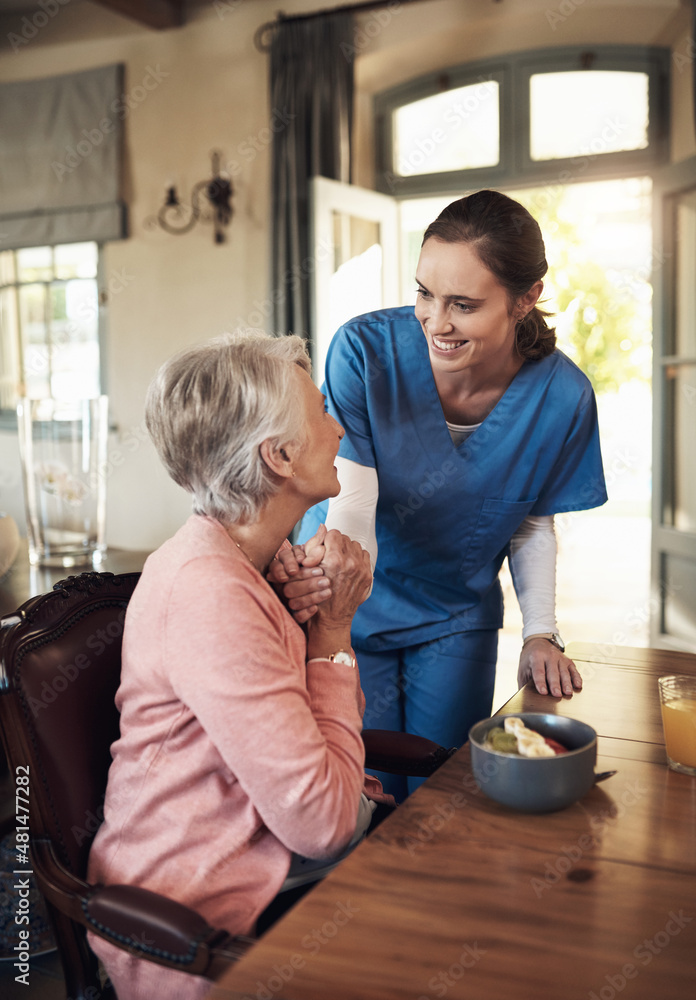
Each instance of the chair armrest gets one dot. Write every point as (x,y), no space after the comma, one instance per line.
(141,922)
(152,926)
(403,753)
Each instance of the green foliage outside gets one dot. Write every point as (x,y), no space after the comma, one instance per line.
(603,318)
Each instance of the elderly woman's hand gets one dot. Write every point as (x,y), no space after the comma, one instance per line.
(298,578)
(346,564)
(551,670)
(347,567)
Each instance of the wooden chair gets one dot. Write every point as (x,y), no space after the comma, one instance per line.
(60,664)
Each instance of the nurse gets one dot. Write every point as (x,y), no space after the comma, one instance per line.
(466,430)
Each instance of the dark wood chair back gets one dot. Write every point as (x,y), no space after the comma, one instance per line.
(61,669)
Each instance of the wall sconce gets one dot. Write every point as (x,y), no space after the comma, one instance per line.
(176,218)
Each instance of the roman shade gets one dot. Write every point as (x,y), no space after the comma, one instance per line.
(60,159)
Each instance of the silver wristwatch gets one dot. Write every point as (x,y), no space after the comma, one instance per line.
(552,637)
(557,641)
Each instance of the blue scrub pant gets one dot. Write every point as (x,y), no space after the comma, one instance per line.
(438,689)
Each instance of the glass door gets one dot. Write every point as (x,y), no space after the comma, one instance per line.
(356,249)
(674,492)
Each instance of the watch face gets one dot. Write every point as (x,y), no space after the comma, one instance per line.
(558,642)
(343,657)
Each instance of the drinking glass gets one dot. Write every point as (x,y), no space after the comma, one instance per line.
(678,705)
(63,448)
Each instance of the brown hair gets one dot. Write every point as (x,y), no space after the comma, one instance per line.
(509,243)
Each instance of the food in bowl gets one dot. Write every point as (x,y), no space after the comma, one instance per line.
(535,784)
(515,737)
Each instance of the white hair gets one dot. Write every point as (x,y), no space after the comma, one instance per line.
(210,407)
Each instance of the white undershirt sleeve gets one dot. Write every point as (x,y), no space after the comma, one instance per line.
(533,568)
(354,510)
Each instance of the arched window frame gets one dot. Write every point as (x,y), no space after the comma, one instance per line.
(512,73)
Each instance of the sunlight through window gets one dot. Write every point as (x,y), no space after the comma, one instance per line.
(587,113)
(457,130)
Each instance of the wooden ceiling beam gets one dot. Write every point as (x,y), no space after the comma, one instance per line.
(158,14)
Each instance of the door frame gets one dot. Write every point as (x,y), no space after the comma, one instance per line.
(326,197)
(666,540)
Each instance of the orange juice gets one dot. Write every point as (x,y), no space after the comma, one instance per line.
(679,723)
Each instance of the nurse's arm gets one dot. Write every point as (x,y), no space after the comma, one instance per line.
(354,511)
(532,562)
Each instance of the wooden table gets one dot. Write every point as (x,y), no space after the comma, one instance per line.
(23,581)
(455,896)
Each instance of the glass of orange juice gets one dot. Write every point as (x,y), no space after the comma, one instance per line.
(678,705)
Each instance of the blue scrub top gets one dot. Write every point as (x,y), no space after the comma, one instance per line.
(445,514)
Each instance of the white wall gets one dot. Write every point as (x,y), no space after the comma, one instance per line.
(213,94)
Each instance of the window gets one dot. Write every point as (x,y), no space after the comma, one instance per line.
(49,323)
(587,111)
(457,130)
(533,117)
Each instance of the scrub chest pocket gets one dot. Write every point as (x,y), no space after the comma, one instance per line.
(497,522)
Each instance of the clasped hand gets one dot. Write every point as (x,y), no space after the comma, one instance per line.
(329,573)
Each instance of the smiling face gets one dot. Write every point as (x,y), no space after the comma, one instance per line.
(466,314)
(313,460)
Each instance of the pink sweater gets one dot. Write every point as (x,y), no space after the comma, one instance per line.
(233,751)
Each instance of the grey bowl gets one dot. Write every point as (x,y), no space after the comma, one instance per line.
(536,784)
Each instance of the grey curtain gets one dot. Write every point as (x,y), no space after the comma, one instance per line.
(312,97)
(60,159)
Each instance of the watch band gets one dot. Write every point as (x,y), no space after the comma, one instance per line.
(552,637)
(342,656)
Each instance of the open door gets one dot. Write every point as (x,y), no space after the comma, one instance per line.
(356,249)
(673,623)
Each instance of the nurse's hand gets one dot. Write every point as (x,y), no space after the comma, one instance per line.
(551,670)
(298,579)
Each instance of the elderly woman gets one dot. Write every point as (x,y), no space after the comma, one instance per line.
(240,753)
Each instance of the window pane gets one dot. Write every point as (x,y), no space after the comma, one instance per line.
(356,283)
(685,297)
(35,264)
(7,268)
(456,130)
(587,112)
(681,387)
(76,260)
(74,340)
(32,312)
(49,323)
(680,585)
(9,348)
(75,371)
